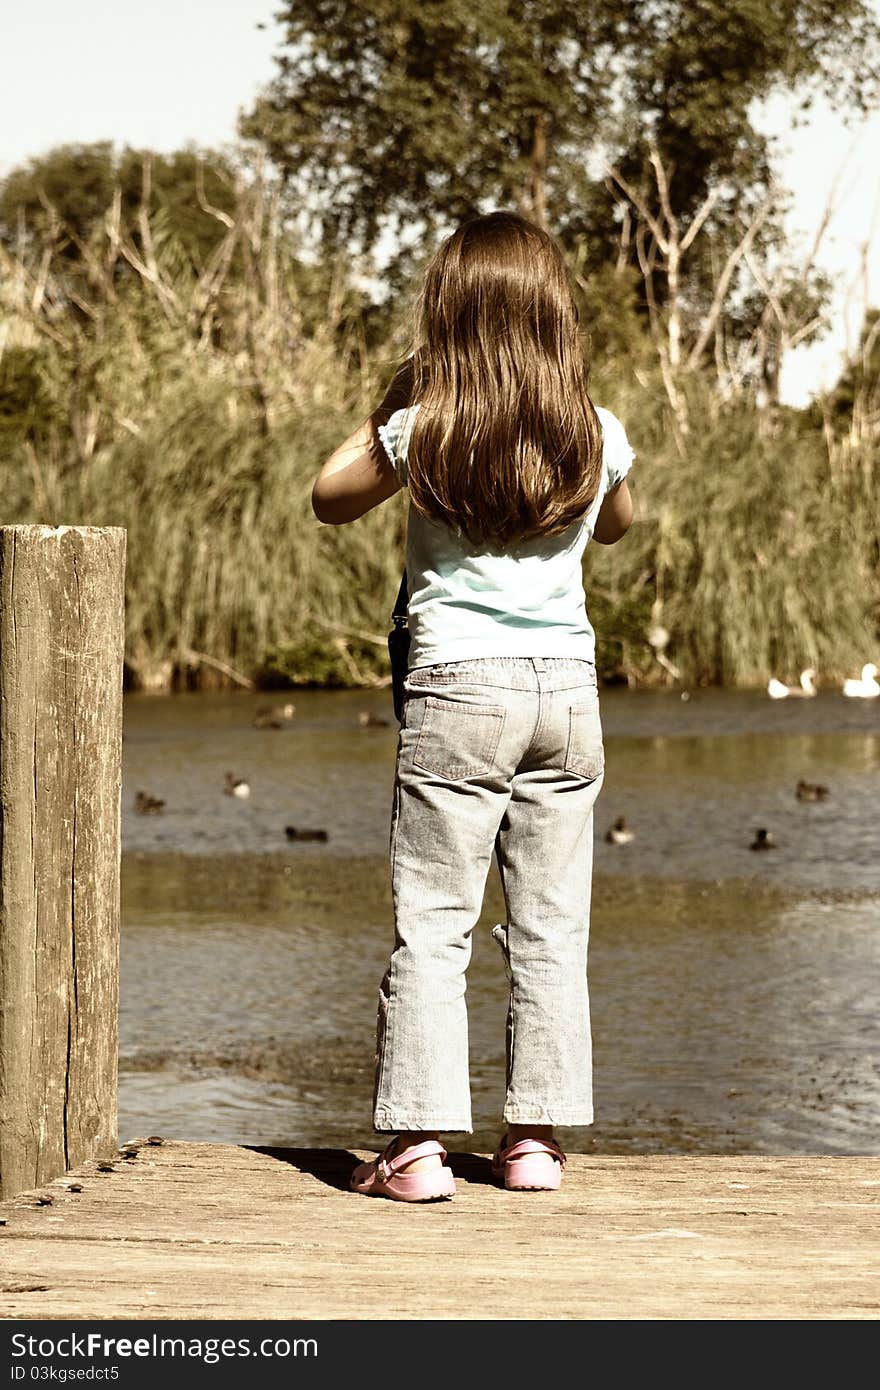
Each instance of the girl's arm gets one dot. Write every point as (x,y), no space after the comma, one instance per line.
(358,475)
(615,515)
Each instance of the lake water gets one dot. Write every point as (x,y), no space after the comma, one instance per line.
(734,993)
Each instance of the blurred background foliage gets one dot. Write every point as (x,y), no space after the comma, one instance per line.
(184,338)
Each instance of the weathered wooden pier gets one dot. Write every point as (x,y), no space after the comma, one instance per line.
(183,1230)
(169,1229)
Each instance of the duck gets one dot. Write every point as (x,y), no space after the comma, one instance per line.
(618,833)
(864,688)
(236,786)
(367,720)
(293,833)
(273,716)
(763,840)
(148,805)
(811,791)
(777,691)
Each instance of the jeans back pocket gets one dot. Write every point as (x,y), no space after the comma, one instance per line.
(457,739)
(585,752)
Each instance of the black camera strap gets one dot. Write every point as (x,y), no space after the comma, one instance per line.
(398,646)
(398,614)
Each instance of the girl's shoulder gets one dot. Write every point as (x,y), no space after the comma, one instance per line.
(608,420)
(617,452)
(395,434)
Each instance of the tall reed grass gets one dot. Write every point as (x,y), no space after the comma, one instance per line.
(756,546)
(194,409)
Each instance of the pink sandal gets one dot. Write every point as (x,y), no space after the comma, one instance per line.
(384,1176)
(529,1165)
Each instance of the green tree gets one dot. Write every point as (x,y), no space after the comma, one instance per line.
(408,115)
(414,114)
(66,194)
(696,72)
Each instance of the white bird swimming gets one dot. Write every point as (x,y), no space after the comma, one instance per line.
(777,691)
(867,688)
(236,786)
(619,833)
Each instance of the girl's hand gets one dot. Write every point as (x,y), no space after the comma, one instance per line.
(615,515)
(358,475)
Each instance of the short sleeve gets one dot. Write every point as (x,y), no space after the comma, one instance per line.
(395,437)
(617,452)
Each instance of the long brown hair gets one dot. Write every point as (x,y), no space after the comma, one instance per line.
(506,444)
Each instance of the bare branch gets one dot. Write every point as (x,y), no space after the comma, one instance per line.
(870,342)
(148,267)
(702,213)
(663,190)
(195,658)
(625,239)
(166,296)
(41,280)
(77,299)
(646,263)
(805,331)
(767,291)
(639,203)
(724,279)
(112,224)
(202,197)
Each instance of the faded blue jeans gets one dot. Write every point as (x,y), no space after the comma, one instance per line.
(498,754)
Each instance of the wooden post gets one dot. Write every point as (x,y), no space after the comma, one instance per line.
(61,650)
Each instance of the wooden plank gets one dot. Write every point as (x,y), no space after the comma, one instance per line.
(186,1230)
(61,653)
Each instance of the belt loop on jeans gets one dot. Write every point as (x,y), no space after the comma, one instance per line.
(539,663)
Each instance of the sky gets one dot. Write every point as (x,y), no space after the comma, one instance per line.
(179,71)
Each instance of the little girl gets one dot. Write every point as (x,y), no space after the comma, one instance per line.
(511,470)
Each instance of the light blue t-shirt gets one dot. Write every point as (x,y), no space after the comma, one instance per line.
(528,600)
